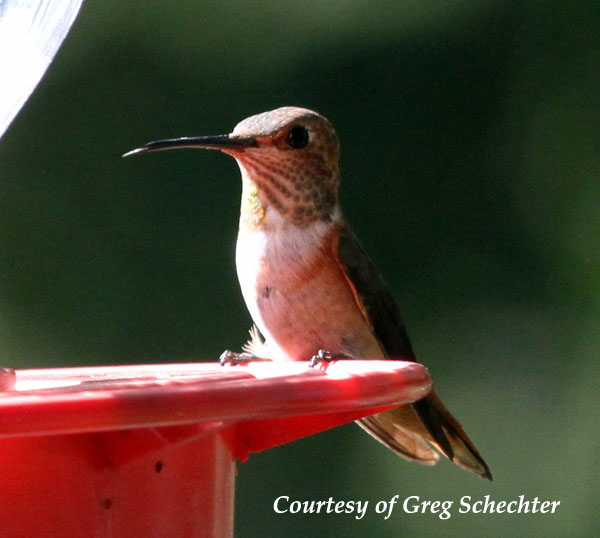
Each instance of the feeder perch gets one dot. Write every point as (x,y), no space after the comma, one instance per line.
(150,451)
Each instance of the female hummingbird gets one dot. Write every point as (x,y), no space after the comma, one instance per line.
(309,286)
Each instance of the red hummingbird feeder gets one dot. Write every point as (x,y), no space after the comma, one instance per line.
(140,451)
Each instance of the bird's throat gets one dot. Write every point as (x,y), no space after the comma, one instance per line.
(252,211)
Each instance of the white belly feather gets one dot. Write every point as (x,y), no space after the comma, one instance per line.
(296,294)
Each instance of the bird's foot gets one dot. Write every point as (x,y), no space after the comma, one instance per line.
(326,356)
(233,359)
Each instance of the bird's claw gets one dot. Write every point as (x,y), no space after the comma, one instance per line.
(326,356)
(233,359)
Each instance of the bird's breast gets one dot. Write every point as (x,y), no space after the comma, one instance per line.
(297,293)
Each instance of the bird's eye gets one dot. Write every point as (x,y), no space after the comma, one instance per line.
(297,138)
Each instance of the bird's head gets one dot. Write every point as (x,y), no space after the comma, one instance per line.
(289,163)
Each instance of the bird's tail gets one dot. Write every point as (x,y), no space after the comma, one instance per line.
(412,430)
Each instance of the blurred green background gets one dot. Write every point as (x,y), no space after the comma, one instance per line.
(470,134)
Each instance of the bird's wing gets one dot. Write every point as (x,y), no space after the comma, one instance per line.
(404,429)
(373,297)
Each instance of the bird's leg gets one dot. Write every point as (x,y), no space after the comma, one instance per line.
(253,351)
(232,358)
(326,356)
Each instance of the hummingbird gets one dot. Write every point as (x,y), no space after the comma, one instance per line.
(310,287)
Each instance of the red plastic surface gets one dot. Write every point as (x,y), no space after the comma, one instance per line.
(149,450)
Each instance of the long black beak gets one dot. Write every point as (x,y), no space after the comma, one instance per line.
(223,142)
